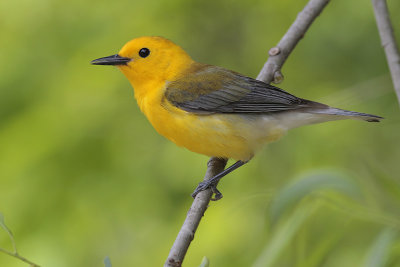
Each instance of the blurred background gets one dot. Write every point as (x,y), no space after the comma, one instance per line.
(83,175)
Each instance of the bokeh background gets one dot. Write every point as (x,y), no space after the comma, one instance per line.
(83,175)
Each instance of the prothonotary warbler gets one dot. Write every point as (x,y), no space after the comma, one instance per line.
(211,110)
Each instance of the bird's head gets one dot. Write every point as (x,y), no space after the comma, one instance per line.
(148,59)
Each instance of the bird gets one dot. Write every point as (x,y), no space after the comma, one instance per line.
(211,110)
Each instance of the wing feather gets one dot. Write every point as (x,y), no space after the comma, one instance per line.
(210,89)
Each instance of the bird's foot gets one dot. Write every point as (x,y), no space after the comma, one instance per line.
(208,184)
(212,183)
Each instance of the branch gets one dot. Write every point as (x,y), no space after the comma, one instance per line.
(17,256)
(388,42)
(15,253)
(193,217)
(270,71)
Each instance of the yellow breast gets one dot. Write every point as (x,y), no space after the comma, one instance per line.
(219,135)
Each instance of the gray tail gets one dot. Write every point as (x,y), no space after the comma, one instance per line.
(346,113)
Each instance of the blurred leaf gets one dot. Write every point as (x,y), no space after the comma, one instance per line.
(306,185)
(378,253)
(205,262)
(284,234)
(322,249)
(357,210)
(107,262)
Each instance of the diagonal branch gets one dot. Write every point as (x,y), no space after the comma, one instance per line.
(388,41)
(270,71)
(17,256)
(193,217)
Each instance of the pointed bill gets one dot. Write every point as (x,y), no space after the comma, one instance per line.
(111,60)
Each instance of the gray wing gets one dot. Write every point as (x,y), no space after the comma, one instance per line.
(216,90)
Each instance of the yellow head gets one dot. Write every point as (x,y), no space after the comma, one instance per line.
(149,60)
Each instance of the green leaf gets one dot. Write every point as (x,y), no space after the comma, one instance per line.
(107,262)
(205,262)
(378,253)
(284,234)
(356,210)
(322,249)
(307,184)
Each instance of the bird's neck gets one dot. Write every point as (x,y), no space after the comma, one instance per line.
(152,84)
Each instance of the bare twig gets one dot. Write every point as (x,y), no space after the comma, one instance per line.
(15,253)
(17,256)
(388,41)
(196,211)
(270,71)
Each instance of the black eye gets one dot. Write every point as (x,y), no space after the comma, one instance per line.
(144,52)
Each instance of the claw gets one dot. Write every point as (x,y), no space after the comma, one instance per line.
(217,194)
(205,185)
(212,183)
(201,187)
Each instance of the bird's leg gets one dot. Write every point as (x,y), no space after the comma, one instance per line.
(212,183)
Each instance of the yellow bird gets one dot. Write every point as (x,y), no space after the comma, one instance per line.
(211,110)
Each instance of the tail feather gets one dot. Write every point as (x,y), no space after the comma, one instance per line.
(346,113)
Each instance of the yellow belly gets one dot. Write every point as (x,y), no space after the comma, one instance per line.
(220,135)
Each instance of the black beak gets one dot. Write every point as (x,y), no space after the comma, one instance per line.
(111,60)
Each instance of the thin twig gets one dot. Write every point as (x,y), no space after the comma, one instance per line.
(16,255)
(388,42)
(270,71)
(196,211)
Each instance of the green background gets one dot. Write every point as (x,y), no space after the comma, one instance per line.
(83,175)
